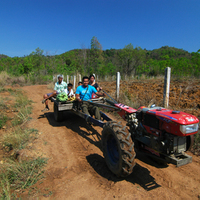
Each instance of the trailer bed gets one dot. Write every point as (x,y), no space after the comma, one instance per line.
(68,105)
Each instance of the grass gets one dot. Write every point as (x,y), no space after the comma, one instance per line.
(15,176)
(22,116)
(3,78)
(22,100)
(3,106)
(6,78)
(18,138)
(3,120)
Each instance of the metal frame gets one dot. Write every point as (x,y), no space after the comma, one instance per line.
(69,106)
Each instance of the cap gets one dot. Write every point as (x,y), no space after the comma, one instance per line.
(60,75)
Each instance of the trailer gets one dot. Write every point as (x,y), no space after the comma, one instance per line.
(68,106)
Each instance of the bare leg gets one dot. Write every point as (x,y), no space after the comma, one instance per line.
(46,102)
(47,97)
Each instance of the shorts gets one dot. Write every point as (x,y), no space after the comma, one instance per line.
(48,94)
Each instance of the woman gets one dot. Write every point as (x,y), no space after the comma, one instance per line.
(93,83)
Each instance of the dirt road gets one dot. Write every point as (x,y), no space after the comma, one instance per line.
(76,168)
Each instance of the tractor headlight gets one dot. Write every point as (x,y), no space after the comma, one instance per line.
(189,128)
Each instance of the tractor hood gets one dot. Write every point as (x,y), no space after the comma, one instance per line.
(171,115)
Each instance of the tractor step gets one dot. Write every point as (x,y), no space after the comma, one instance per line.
(179,160)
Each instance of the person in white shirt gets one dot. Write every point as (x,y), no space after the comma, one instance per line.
(69,91)
(60,86)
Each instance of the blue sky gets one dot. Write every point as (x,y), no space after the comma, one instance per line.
(57,26)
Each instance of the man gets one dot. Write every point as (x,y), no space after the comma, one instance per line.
(60,86)
(80,83)
(84,93)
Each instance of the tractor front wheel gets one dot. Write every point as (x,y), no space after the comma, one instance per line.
(118,149)
(189,142)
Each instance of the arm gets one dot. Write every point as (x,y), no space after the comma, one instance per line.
(78,94)
(98,88)
(78,98)
(71,93)
(100,94)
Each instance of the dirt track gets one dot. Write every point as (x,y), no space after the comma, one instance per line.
(76,168)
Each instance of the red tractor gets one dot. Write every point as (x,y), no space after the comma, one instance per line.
(161,133)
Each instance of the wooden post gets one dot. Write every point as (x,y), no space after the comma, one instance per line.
(117,85)
(74,85)
(166,87)
(97,78)
(79,77)
(67,79)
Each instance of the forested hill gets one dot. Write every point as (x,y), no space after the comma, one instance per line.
(129,61)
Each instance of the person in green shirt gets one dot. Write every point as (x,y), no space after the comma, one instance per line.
(60,86)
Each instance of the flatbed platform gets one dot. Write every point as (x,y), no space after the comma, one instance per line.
(72,106)
(68,105)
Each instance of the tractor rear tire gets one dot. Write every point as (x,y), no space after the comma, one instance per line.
(58,115)
(118,149)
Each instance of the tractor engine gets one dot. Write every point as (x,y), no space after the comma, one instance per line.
(163,131)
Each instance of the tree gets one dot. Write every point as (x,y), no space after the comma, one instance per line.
(37,52)
(95,44)
(96,57)
(131,58)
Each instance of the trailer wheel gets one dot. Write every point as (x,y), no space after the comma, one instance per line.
(189,142)
(58,115)
(118,149)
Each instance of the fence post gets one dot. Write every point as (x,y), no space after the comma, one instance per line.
(67,79)
(166,87)
(79,77)
(74,85)
(117,85)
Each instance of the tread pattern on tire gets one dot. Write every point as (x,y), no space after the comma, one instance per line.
(126,146)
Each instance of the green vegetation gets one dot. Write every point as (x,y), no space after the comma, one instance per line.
(19,175)
(18,138)
(3,119)
(24,110)
(39,67)
(17,172)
